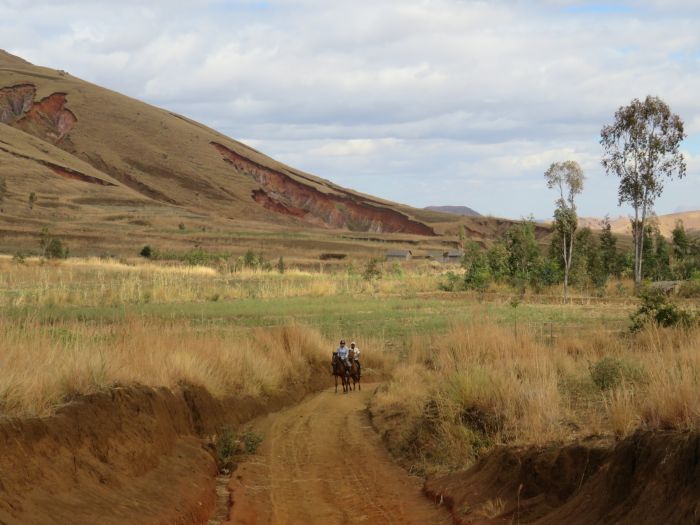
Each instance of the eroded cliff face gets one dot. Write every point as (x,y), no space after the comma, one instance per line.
(47,119)
(282,194)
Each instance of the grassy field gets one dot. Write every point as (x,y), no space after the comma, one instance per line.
(479,384)
(81,325)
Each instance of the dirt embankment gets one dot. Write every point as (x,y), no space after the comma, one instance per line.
(283,194)
(131,455)
(648,478)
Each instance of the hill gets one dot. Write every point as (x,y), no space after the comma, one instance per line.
(109,173)
(456,210)
(621,225)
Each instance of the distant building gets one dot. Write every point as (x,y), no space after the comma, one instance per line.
(450,257)
(399,255)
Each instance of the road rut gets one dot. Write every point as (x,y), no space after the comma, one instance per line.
(321,462)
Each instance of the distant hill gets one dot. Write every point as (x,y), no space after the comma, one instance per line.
(455,210)
(621,224)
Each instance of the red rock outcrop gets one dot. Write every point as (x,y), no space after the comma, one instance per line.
(281,193)
(48,119)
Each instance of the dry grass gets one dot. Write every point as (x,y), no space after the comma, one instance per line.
(108,282)
(478,385)
(46,365)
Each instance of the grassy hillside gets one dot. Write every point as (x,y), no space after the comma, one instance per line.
(108,174)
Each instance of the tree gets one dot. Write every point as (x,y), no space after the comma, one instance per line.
(682,249)
(280,265)
(642,148)
(523,251)
(498,261)
(608,250)
(475,262)
(567,178)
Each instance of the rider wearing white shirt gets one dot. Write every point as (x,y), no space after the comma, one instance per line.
(356,355)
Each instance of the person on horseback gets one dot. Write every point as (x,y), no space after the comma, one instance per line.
(342,353)
(356,356)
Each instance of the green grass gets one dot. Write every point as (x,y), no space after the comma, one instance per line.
(393,319)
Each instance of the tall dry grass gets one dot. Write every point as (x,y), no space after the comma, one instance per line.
(461,393)
(45,365)
(107,282)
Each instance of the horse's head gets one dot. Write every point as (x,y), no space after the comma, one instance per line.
(351,354)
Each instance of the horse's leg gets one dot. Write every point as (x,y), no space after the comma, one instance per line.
(336,383)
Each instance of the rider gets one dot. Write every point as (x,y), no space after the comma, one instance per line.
(356,356)
(342,353)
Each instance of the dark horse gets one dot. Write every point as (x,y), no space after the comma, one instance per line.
(354,371)
(339,370)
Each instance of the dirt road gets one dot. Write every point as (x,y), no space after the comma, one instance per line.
(322,463)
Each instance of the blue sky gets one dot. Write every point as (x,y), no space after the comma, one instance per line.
(420,101)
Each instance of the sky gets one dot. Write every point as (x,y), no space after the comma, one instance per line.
(425,102)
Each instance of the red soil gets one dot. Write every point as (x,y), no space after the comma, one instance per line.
(47,119)
(132,455)
(281,193)
(64,172)
(76,175)
(649,478)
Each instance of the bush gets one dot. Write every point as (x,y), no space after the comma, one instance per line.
(657,308)
(146,251)
(453,283)
(609,372)
(226,444)
(372,270)
(55,250)
(251,441)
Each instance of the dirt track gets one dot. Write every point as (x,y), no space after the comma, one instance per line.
(321,462)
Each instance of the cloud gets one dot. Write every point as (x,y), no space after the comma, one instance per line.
(462,101)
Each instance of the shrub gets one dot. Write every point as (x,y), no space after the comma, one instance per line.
(657,308)
(452,284)
(251,441)
(54,249)
(610,372)
(372,270)
(226,444)
(146,251)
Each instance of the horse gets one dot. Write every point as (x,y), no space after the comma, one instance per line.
(339,370)
(354,371)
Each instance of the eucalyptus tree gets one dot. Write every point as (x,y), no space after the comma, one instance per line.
(567,178)
(642,148)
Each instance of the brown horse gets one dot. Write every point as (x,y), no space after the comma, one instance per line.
(354,371)
(339,370)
